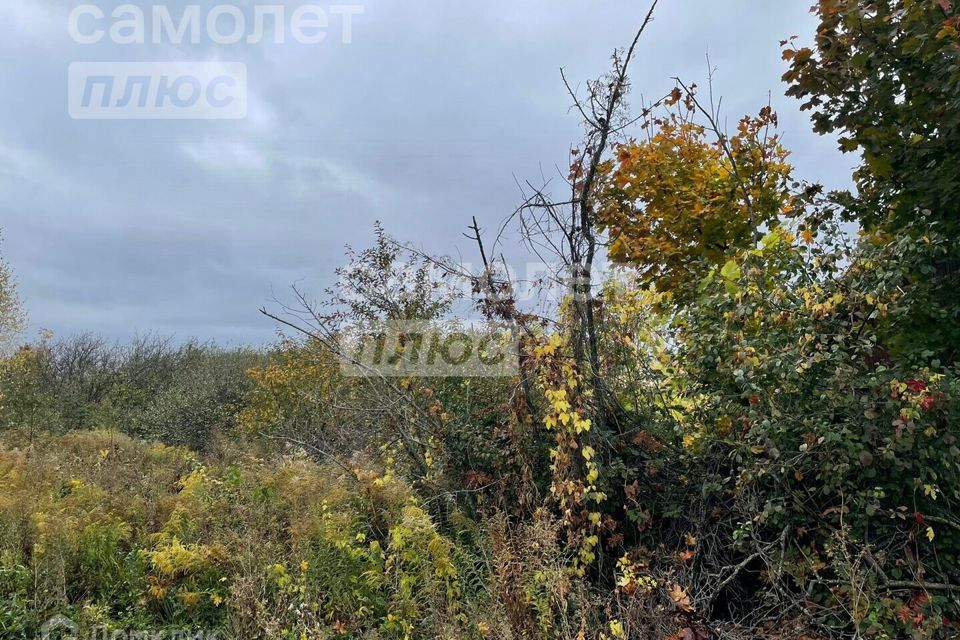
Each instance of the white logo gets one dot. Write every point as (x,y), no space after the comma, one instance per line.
(157,90)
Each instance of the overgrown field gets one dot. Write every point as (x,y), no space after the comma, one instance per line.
(125,535)
(749,428)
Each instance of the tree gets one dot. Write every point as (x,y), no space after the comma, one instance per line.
(377,292)
(886,77)
(12,319)
(678,202)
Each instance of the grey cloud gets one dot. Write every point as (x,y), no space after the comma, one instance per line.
(426,119)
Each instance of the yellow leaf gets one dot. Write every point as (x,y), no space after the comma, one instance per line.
(616,629)
(946,32)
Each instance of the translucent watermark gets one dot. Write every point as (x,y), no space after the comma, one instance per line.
(425,349)
(61,627)
(223,24)
(526,283)
(186,90)
(157,90)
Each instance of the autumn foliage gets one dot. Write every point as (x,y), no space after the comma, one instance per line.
(749,429)
(678,202)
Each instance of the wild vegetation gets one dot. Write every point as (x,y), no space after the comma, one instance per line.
(748,429)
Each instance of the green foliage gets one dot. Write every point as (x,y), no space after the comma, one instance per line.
(150,388)
(885,77)
(110,531)
(829,461)
(11,312)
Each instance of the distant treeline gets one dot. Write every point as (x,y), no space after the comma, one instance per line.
(151,387)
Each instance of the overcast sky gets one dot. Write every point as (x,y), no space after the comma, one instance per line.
(187,227)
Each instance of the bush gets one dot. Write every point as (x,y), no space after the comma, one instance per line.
(150,388)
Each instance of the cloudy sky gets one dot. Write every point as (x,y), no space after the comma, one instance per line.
(429,116)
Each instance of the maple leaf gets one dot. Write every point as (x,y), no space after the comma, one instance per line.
(680,598)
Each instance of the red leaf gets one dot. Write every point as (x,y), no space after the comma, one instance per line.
(916,385)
